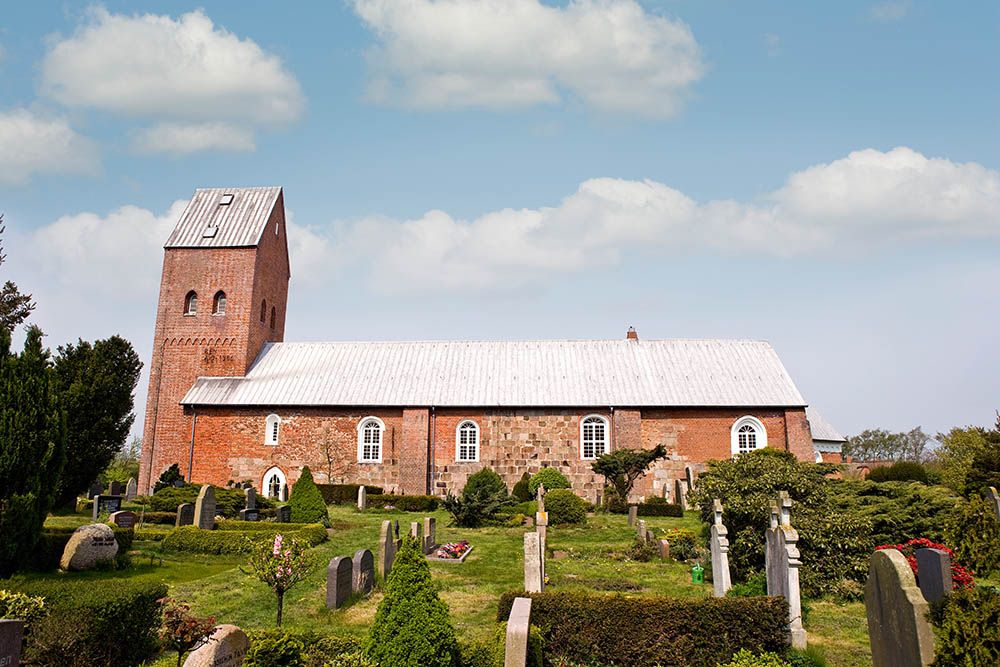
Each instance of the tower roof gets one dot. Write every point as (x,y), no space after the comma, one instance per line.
(224,218)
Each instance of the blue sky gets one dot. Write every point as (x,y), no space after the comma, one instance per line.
(826,177)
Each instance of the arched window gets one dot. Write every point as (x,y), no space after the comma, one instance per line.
(747,435)
(593,437)
(467,441)
(191,303)
(273,483)
(273,311)
(263,310)
(272,428)
(219,303)
(370,432)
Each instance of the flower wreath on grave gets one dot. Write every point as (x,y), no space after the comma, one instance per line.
(452,550)
(960,576)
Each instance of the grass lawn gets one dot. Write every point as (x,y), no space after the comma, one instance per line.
(593,560)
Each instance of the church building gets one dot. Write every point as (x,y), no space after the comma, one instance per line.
(229,400)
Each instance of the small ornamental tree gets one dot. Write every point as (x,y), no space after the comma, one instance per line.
(181,630)
(622,467)
(280,565)
(307,501)
(411,627)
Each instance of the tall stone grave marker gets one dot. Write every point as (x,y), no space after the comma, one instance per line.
(518,626)
(11,635)
(227,648)
(131,489)
(363,571)
(362,498)
(994,499)
(688,487)
(416,532)
(898,628)
(679,495)
(934,572)
(633,514)
(640,529)
(540,497)
(204,508)
(105,505)
(386,549)
(533,568)
(339,581)
(719,544)
(251,498)
(117,488)
(430,534)
(185,514)
(542,528)
(782,564)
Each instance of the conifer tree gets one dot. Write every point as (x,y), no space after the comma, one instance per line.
(307,502)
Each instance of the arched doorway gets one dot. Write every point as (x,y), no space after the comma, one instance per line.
(273,483)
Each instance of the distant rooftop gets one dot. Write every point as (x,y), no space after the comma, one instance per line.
(821,428)
(224,218)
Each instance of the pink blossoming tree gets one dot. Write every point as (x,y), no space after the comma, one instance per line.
(280,565)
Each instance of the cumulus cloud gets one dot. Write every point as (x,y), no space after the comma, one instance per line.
(611,55)
(181,139)
(889,10)
(31,143)
(184,70)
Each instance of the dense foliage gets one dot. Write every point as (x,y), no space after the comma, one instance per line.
(985,469)
(283,650)
(317,650)
(307,502)
(32,448)
(622,467)
(281,564)
(483,497)
(405,503)
(973,531)
(965,450)
(181,631)
(960,576)
(15,307)
(228,502)
(967,628)
(654,506)
(191,539)
(521,492)
(52,542)
(684,544)
(345,494)
(564,506)
(644,632)
(411,627)
(881,445)
(20,607)
(900,471)
(550,478)
(168,477)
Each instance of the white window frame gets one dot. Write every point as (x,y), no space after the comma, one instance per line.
(272,430)
(607,437)
(361,439)
(266,488)
(474,444)
(760,434)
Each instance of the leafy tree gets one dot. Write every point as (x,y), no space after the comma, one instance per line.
(985,469)
(307,501)
(964,450)
(182,631)
(14,306)
(125,464)
(882,445)
(411,627)
(550,478)
(169,476)
(95,384)
(622,467)
(280,565)
(485,480)
(32,447)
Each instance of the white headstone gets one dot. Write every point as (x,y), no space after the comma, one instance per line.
(362,498)
(898,628)
(782,565)
(518,627)
(640,529)
(533,581)
(719,543)
(131,489)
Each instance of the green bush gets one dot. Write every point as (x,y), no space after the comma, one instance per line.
(662,508)
(683,544)
(318,650)
(755,585)
(484,496)
(671,631)
(160,518)
(564,506)
(52,542)
(900,471)
(92,623)
(973,533)
(745,658)
(967,625)
(484,481)
(169,476)
(191,539)
(21,607)
(405,503)
(345,494)
(228,502)
(550,478)
(411,627)
(271,527)
(281,651)
(642,551)
(521,491)
(307,502)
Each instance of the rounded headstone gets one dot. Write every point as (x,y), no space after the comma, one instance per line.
(88,546)
(227,648)
(123,519)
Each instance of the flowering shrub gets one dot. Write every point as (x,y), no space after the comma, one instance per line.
(960,576)
(280,565)
(453,550)
(182,631)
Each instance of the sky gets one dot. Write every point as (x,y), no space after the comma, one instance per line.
(824,176)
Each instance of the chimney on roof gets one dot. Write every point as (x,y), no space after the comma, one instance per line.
(631,334)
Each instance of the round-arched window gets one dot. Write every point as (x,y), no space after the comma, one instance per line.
(191,303)
(593,437)
(747,434)
(467,441)
(219,303)
(370,432)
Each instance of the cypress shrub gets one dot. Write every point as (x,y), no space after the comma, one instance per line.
(520,490)
(307,502)
(564,506)
(345,494)
(411,627)
(645,632)
(485,481)
(550,478)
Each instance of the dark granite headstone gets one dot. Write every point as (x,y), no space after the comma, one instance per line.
(339,577)
(185,514)
(124,519)
(179,483)
(11,634)
(363,571)
(284,514)
(204,508)
(117,489)
(250,515)
(284,493)
(105,505)
(251,498)
(934,574)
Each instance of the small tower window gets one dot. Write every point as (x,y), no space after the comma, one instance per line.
(272,428)
(263,310)
(191,303)
(219,303)
(273,312)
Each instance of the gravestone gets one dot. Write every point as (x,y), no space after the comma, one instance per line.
(11,636)
(679,496)
(898,628)
(131,489)
(934,574)
(386,549)
(87,546)
(124,519)
(633,514)
(96,489)
(185,514)
(782,565)
(179,483)
(283,514)
(416,532)
(518,626)
(339,581)
(204,508)
(250,514)
(719,544)
(430,534)
(533,581)
(542,528)
(664,549)
(362,498)
(117,488)
(227,648)
(284,493)
(994,499)
(640,529)
(251,499)
(540,497)
(105,505)
(363,571)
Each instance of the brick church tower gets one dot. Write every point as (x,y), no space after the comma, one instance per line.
(223,295)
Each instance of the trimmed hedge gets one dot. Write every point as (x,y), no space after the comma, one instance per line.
(271,527)
(191,539)
(551,478)
(900,471)
(644,632)
(319,650)
(95,622)
(228,502)
(405,503)
(52,543)
(345,494)
(160,518)
(659,509)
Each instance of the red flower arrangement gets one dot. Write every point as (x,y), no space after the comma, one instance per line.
(453,550)
(960,576)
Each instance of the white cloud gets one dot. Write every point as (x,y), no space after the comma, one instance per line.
(611,55)
(181,139)
(889,10)
(31,144)
(186,70)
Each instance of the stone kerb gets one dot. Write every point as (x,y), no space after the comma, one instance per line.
(533,568)
(226,648)
(205,508)
(719,544)
(518,627)
(782,562)
(898,628)
(339,581)
(11,636)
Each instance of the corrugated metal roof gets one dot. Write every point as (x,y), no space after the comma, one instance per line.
(821,428)
(238,224)
(512,373)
